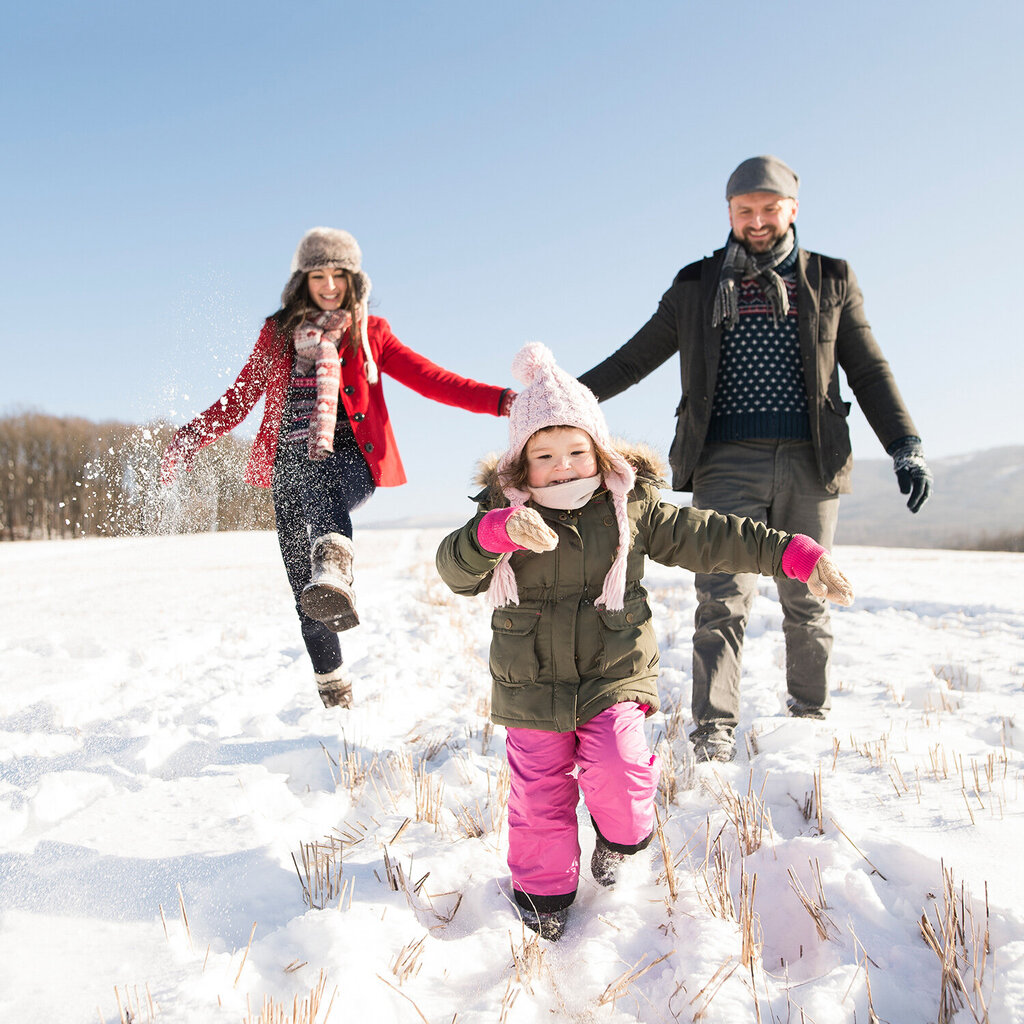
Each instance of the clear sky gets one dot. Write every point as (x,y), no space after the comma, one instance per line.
(513,172)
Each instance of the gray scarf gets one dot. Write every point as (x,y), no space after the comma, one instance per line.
(742,265)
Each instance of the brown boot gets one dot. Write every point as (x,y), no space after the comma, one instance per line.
(329,597)
(334,688)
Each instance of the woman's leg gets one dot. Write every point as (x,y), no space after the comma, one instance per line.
(619,776)
(293,538)
(334,488)
(543,847)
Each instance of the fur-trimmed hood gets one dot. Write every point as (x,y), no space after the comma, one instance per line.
(650,470)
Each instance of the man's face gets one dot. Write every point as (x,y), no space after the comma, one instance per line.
(760,219)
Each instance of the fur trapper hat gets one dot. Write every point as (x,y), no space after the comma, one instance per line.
(551,398)
(331,247)
(327,247)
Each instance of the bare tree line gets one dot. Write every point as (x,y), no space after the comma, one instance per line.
(64,477)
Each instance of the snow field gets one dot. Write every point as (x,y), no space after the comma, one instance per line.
(162,748)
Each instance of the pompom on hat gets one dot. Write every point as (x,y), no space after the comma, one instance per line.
(552,398)
(331,247)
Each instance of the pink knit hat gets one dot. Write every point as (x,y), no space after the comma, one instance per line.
(552,398)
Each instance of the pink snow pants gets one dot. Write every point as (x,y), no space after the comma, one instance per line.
(617,773)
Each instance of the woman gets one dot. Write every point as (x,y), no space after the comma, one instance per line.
(323,460)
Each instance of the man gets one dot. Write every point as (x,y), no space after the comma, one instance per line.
(761,328)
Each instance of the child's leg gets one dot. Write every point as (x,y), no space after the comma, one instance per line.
(619,776)
(543,847)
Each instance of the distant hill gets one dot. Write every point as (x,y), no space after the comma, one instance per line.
(975,496)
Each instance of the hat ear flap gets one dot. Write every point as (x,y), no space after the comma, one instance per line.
(291,289)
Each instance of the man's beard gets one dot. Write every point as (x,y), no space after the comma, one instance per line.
(764,243)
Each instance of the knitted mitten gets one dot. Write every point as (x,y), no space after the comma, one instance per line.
(515,529)
(809,562)
(912,472)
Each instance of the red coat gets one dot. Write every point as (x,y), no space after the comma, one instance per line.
(269,368)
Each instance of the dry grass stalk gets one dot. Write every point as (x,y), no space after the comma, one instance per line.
(129,1012)
(407,961)
(470,825)
(527,959)
(711,989)
(351,833)
(815,904)
(245,955)
(874,870)
(666,859)
(962,947)
(486,736)
(184,917)
(508,1001)
(620,986)
(320,875)
(429,795)
(305,1012)
(717,895)
(751,939)
(749,815)
(406,998)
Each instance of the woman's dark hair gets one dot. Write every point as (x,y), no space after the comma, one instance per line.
(301,307)
(515,476)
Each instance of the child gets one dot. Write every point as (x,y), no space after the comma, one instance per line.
(559,544)
(321,461)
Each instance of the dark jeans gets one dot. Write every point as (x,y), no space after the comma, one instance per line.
(778,483)
(311,499)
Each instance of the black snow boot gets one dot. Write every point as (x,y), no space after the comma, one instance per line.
(329,597)
(605,863)
(548,924)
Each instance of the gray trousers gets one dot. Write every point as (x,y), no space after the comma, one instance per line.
(775,482)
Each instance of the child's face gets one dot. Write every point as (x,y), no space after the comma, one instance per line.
(327,287)
(556,456)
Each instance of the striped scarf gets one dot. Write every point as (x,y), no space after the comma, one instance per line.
(741,265)
(317,340)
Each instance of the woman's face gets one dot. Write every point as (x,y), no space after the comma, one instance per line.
(327,287)
(555,456)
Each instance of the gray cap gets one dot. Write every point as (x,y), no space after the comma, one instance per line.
(763,174)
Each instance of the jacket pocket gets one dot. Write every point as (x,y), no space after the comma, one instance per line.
(628,645)
(513,657)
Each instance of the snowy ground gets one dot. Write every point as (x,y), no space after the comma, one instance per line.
(162,749)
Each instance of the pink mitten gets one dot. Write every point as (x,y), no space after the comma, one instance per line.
(515,529)
(807,561)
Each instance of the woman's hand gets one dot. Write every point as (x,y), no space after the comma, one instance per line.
(181,451)
(505,406)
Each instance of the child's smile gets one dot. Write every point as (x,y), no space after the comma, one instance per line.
(559,455)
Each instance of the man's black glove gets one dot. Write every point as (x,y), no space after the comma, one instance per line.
(912,472)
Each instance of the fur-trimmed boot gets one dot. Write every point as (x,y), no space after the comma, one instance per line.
(334,688)
(329,597)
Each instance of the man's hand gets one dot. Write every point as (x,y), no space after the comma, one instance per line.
(912,472)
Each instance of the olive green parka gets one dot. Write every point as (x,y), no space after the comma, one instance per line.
(556,659)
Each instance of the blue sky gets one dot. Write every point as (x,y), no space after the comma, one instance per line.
(513,172)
